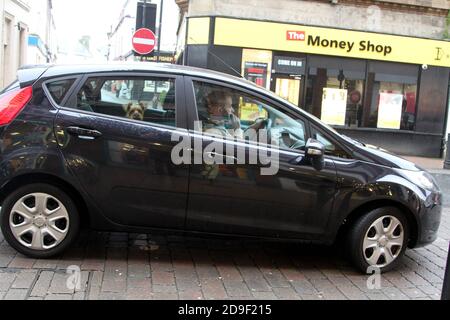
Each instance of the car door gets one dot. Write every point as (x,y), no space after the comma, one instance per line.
(118,144)
(237,197)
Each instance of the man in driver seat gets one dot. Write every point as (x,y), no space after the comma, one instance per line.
(220,119)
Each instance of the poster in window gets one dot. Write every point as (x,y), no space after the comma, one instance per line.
(334,106)
(390,110)
(256,72)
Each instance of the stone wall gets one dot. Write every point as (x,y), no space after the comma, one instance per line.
(356,15)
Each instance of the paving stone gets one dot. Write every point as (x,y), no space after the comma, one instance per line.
(165,296)
(163,278)
(264,295)
(213,289)
(236,288)
(5,259)
(304,287)
(185,284)
(24,280)
(414,293)
(16,294)
(258,285)
(45,264)
(40,288)
(6,280)
(139,294)
(352,292)
(21,262)
(286,293)
(395,294)
(191,295)
(276,279)
(59,297)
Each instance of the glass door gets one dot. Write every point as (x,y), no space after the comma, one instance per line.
(288,88)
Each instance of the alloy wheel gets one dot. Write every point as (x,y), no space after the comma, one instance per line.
(39,221)
(384,241)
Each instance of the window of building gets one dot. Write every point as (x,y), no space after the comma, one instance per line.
(225,112)
(335,90)
(257,66)
(391,96)
(141,99)
(59,89)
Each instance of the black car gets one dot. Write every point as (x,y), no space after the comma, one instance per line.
(94,145)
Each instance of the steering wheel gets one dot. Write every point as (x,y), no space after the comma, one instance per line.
(261,124)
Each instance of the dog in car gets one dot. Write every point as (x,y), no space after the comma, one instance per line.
(135,110)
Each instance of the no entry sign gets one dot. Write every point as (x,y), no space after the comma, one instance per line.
(144,41)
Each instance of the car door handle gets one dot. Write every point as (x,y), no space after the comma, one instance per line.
(212,155)
(83,133)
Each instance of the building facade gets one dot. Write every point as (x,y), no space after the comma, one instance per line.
(42,44)
(26,36)
(377,71)
(15,21)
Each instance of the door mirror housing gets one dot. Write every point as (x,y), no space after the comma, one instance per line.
(315,154)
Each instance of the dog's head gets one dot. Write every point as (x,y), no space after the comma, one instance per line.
(135,111)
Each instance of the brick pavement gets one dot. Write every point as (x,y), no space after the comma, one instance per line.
(132,266)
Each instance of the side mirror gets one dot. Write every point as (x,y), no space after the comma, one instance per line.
(315,154)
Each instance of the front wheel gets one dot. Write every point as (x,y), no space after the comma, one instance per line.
(39,220)
(378,240)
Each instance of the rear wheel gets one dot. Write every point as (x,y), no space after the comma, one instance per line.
(378,239)
(39,220)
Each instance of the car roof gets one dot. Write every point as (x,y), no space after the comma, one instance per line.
(62,70)
(68,69)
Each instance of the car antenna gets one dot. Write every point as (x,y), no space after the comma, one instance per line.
(221,60)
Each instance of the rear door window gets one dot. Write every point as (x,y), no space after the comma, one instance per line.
(148,99)
(59,89)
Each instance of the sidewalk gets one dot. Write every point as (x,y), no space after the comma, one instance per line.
(436,168)
(428,163)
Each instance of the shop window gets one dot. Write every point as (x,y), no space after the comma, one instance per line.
(257,66)
(392,96)
(335,90)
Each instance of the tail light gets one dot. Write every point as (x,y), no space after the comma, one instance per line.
(12,103)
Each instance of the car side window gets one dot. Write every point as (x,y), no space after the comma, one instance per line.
(234,114)
(59,89)
(136,98)
(331,149)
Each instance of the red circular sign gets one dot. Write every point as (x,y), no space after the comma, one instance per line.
(144,41)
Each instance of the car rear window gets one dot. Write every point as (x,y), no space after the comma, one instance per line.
(59,89)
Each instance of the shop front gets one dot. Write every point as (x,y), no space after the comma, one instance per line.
(386,90)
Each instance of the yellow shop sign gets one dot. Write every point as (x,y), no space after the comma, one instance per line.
(327,41)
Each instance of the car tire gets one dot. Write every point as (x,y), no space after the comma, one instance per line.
(381,235)
(39,220)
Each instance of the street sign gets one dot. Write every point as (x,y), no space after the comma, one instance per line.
(144,41)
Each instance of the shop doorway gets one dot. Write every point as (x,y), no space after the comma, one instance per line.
(288,87)
(288,77)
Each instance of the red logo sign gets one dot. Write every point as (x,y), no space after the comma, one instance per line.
(144,41)
(295,35)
